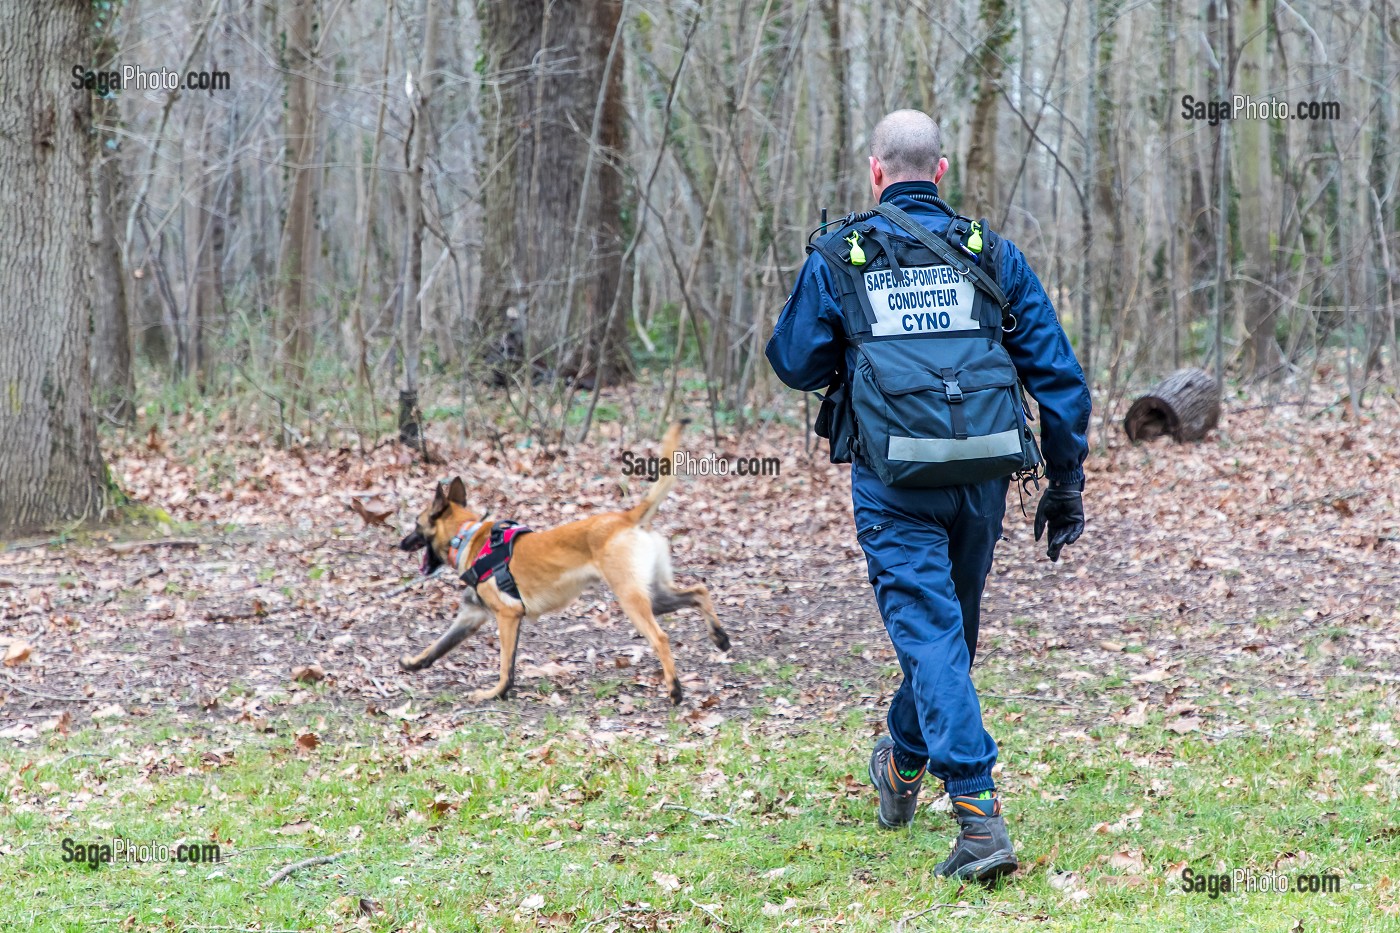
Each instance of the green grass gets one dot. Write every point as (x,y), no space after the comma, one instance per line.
(456,829)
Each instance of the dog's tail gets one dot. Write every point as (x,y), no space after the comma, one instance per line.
(641,513)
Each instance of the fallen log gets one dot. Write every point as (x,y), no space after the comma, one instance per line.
(1185,405)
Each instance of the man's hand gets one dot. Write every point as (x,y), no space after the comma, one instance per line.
(1062,509)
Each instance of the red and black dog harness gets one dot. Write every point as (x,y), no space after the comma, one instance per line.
(493,560)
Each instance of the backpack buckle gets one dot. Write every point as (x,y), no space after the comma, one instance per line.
(951,387)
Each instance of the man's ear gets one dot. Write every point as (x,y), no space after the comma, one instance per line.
(457,492)
(942,168)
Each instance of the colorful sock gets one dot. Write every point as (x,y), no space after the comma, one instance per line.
(908,766)
(982,803)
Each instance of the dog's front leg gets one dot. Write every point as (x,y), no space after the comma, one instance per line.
(469,619)
(508,631)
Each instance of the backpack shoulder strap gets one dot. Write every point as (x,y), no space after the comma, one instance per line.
(832,247)
(942,250)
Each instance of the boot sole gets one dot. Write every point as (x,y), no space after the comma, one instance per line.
(880,817)
(989,869)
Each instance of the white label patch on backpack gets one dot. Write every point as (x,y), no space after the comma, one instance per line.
(927,300)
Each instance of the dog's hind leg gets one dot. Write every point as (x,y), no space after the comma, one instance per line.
(667,598)
(636,604)
(508,631)
(469,619)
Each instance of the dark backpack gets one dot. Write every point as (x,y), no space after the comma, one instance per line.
(934,399)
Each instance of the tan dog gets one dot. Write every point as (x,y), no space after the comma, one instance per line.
(551,568)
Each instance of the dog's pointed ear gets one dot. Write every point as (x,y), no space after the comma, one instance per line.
(439,502)
(457,492)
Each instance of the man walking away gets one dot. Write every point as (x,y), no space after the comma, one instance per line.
(924,326)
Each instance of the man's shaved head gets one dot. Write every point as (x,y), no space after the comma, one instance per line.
(908,145)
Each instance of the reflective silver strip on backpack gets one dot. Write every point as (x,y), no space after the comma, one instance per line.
(939,450)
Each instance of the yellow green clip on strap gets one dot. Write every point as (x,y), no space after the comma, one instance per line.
(974,237)
(857,254)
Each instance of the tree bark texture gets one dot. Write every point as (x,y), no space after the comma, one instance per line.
(1256,198)
(982,196)
(412,311)
(50,467)
(111,349)
(1185,405)
(545,63)
(296,261)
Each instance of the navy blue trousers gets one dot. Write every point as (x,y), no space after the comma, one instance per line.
(928,552)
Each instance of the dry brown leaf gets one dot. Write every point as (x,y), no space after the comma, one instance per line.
(308,673)
(1128,861)
(370,516)
(17,653)
(1185,725)
(306,741)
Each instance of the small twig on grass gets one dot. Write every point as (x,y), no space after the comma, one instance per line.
(899,927)
(67,758)
(612,916)
(298,866)
(711,914)
(710,817)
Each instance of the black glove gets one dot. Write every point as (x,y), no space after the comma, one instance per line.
(1062,509)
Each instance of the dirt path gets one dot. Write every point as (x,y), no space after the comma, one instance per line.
(1266,559)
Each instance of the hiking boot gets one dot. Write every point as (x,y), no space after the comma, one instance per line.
(899,796)
(983,851)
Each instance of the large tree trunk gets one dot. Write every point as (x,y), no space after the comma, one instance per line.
(298,250)
(50,467)
(546,63)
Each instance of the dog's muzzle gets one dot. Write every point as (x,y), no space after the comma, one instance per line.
(415,541)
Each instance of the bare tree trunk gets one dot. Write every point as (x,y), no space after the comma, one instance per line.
(981,194)
(1086,206)
(296,261)
(1381,322)
(113,384)
(413,305)
(367,228)
(51,469)
(205,302)
(841,170)
(1256,178)
(545,65)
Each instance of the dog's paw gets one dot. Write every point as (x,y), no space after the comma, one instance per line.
(676,692)
(481,696)
(408,663)
(721,639)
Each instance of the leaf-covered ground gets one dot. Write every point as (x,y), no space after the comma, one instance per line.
(1208,679)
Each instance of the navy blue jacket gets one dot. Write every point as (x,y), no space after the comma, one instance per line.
(808,346)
